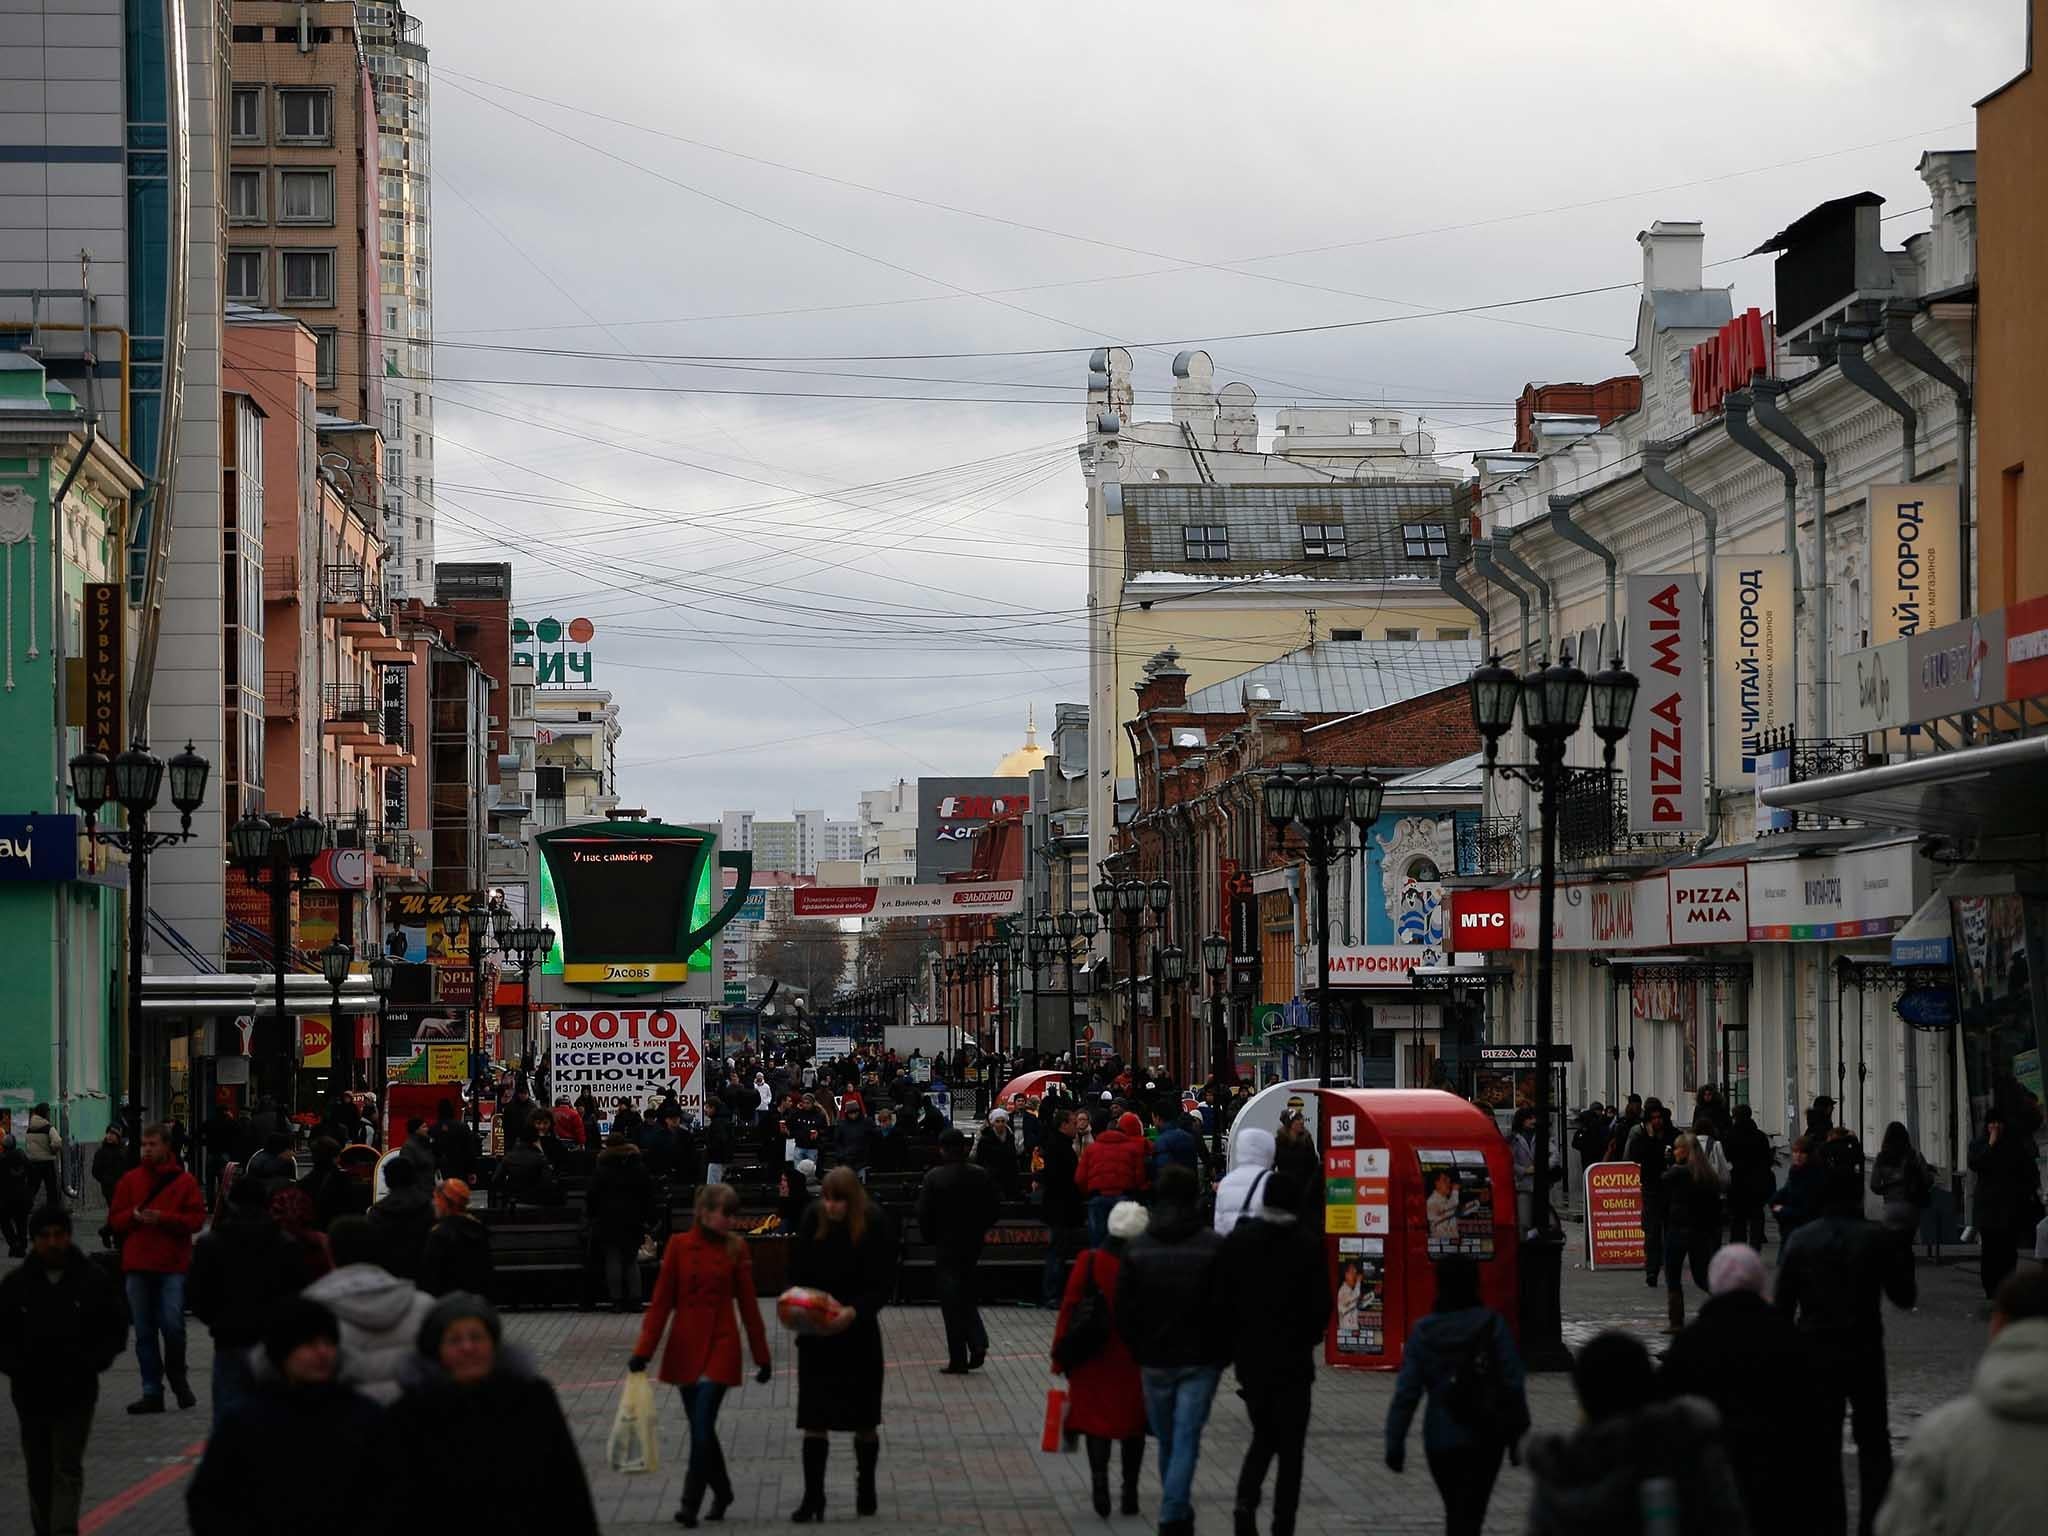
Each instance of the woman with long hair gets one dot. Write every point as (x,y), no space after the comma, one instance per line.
(705,1280)
(1901,1178)
(843,1248)
(1106,1397)
(1690,1192)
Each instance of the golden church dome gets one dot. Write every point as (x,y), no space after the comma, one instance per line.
(1031,755)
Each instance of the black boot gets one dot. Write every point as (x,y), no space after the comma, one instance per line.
(693,1495)
(816,1449)
(1246,1521)
(174,1373)
(865,1454)
(1098,1473)
(1133,1463)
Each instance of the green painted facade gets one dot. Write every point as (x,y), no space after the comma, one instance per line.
(61,942)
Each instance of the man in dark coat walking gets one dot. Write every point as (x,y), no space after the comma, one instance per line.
(1649,1148)
(1752,1176)
(61,1324)
(1061,1204)
(241,1268)
(956,1206)
(1273,1302)
(403,1218)
(1747,1359)
(1166,1311)
(1833,1276)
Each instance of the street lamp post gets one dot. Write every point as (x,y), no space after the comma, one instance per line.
(133,780)
(1552,700)
(277,855)
(528,944)
(1321,802)
(1130,899)
(382,969)
(335,960)
(1215,960)
(1171,963)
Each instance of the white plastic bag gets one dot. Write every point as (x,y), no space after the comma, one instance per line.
(635,1445)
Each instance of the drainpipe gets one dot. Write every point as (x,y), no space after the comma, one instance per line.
(1482,562)
(1906,343)
(1766,394)
(1857,369)
(1744,435)
(1447,579)
(1562,525)
(1658,476)
(1508,560)
(60,894)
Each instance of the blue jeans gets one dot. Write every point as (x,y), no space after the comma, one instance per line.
(701,1400)
(1177,1400)
(157,1303)
(1099,1207)
(233,1381)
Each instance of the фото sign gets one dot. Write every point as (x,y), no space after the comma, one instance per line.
(630,1053)
(1916,573)
(1667,743)
(1482,920)
(950,811)
(1753,670)
(1710,905)
(991,898)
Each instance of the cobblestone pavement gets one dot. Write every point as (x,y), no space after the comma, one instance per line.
(963,1451)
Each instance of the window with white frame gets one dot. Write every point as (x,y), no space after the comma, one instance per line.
(245,115)
(304,116)
(245,197)
(1401,634)
(244,270)
(1205,541)
(305,197)
(307,277)
(1322,541)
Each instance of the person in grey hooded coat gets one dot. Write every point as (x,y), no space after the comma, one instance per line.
(380,1314)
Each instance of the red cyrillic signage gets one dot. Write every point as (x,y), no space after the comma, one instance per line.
(1614,1216)
(1482,920)
(1742,349)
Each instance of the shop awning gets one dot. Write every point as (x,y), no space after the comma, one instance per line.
(1972,794)
(239,992)
(1927,938)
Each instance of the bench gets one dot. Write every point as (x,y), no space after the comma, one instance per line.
(1011,1265)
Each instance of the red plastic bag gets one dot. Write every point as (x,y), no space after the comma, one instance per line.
(1055,1418)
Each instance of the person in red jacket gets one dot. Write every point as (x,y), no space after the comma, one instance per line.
(1113,1168)
(705,1275)
(158,1209)
(1106,1397)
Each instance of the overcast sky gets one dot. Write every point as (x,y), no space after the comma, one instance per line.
(797,598)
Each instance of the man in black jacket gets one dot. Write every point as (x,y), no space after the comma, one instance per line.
(241,1269)
(61,1324)
(1273,1301)
(1752,1176)
(1166,1312)
(1065,1219)
(1649,1148)
(1833,1276)
(956,1206)
(453,1144)
(403,1218)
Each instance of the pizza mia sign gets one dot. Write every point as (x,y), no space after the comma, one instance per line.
(628,1053)
(1667,746)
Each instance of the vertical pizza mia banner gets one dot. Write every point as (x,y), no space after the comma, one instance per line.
(628,1053)
(1667,756)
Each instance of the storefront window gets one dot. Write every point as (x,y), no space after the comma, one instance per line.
(2001,1036)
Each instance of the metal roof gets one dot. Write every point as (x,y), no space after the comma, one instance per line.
(1346,677)
(1264,523)
(1460,773)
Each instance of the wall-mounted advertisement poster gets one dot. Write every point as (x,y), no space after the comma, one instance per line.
(1457,1202)
(1361,1290)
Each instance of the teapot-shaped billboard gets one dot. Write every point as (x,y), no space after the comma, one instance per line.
(631,902)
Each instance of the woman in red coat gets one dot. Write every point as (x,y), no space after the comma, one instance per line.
(705,1275)
(1106,1399)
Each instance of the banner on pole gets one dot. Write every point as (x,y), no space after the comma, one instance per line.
(1667,741)
(1916,572)
(1753,667)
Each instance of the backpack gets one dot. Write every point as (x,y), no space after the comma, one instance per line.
(1088,1326)
(1478,1395)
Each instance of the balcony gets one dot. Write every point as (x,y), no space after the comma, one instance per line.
(354,599)
(1491,845)
(353,716)
(1592,823)
(280,578)
(1809,757)
(280,695)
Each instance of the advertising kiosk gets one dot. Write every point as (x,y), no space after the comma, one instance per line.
(1409,1176)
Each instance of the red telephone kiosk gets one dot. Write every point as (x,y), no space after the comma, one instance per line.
(1409,1176)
